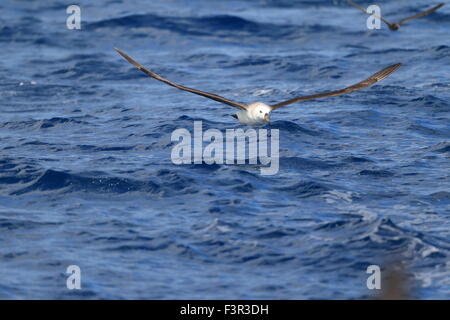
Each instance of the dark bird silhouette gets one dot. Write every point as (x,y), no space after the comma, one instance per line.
(395,26)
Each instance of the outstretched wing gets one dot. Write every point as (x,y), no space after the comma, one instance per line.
(357,6)
(170,83)
(380,75)
(421,14)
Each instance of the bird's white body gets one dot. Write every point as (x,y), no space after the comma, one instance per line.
(257,114)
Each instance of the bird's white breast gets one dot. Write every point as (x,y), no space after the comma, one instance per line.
(247,118)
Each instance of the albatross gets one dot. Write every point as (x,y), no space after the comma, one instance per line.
(395,26)
(257,113)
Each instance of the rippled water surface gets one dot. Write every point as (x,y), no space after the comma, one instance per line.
(86,176)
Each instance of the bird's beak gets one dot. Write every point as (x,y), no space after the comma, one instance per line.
(266,117)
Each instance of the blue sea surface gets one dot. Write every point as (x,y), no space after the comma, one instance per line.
(86,176)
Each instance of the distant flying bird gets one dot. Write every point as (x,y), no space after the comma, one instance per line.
(257,113)
(396,26)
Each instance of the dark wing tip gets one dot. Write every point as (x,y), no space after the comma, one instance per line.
(119,51)
(128,58)
(123,54)
(435,8)
(386,72)
(422,14)
(440,5)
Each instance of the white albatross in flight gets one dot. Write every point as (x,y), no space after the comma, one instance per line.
(257,113)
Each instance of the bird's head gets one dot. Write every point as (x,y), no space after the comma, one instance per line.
(260,111)
(394,26)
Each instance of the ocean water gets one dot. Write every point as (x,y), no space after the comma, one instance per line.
(86,176)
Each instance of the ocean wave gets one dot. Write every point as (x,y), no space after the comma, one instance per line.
(380,173)
(217,26)
(16,224)
(430,101)
(292,127)
(42,124)
(163,183)
(385,239)
(298,163)
(306,189)
(427,130)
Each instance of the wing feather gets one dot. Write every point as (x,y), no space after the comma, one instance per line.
(380,75)
(170,83)
(425,13)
